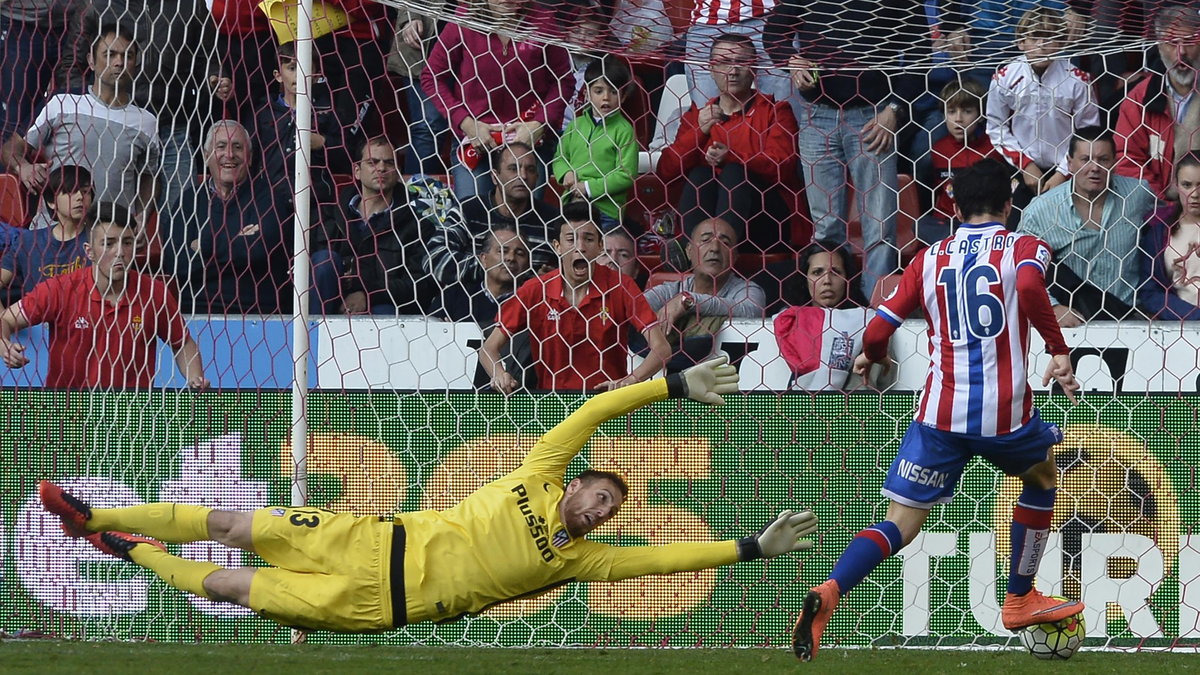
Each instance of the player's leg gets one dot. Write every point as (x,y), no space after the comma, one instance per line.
(174,523)
(192,576)
(924,473)
(1027,454)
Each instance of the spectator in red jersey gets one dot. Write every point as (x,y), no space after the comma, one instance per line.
(578,317)
(105,319)
(736,152)
(965,144)
(495,90)
(1160,118)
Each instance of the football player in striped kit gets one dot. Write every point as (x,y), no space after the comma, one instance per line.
(980,290)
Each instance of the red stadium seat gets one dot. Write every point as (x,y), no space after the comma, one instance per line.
(664,277)
(12,201)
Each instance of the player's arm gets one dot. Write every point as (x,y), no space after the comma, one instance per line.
(1034,303)
(889,317)
(783,535)
(704,383)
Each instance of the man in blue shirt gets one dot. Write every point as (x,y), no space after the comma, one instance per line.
(1092,223)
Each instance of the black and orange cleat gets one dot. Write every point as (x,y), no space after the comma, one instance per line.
(1022,611)
(818,608)
(73,511)
(119,544)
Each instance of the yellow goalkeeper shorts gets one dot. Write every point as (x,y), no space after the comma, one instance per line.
(330,571)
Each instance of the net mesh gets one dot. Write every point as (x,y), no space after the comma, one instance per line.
(455,149)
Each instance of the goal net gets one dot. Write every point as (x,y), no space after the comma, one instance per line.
(462,158)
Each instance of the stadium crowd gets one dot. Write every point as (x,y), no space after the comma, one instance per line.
(471,170)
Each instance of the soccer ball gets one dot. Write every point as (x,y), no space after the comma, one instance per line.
(1058,640)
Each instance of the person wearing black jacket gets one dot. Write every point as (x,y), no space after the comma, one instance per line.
(845,58)
(385,239)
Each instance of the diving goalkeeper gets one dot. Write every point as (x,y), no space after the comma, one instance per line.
(518,536)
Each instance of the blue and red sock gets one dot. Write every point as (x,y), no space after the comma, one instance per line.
(864,553)
(1032,515)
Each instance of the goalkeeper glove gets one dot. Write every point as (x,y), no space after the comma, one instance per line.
(705,382)
(781,536)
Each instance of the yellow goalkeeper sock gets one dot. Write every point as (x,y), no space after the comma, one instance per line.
(172,523)
(186,575)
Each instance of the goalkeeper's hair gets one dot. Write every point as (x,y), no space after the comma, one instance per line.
(984,188)
(592,475)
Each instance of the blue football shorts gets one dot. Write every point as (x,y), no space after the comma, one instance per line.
(930,462)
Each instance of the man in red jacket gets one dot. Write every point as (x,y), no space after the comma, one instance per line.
(737,151)
(1152,127)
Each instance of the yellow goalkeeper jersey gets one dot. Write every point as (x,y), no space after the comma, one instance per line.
(507,541)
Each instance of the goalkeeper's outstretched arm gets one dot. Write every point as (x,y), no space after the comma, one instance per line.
(785,534)
(704,382)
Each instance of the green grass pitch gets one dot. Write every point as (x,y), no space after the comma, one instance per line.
(47,656)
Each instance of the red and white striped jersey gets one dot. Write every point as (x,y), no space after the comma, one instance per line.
(724,12)
(978,334)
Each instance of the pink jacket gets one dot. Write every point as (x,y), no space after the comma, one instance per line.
(471,74)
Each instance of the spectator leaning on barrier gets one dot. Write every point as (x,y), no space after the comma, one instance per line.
(489,83)
(105,320)
(578,317)
(228,242)
(735,154)
(1092,224)
(101,130)
(505,262)
(849,109)
(511,202)
(1160,118)
(37,255)
(387,239)
(693,309)
(1172,247)
(820,334)
(1036,102)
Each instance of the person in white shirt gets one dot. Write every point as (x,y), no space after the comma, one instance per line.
(1036,102)
(100,130)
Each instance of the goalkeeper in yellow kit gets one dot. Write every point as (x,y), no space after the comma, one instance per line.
(518,536)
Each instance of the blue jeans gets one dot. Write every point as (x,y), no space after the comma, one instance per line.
(426,130)
(30,54)
(768,79)
(830,147)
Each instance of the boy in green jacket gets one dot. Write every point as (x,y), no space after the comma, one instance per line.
(597,156)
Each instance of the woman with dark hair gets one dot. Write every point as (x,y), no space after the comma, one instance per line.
(1172,246)
(821,333)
